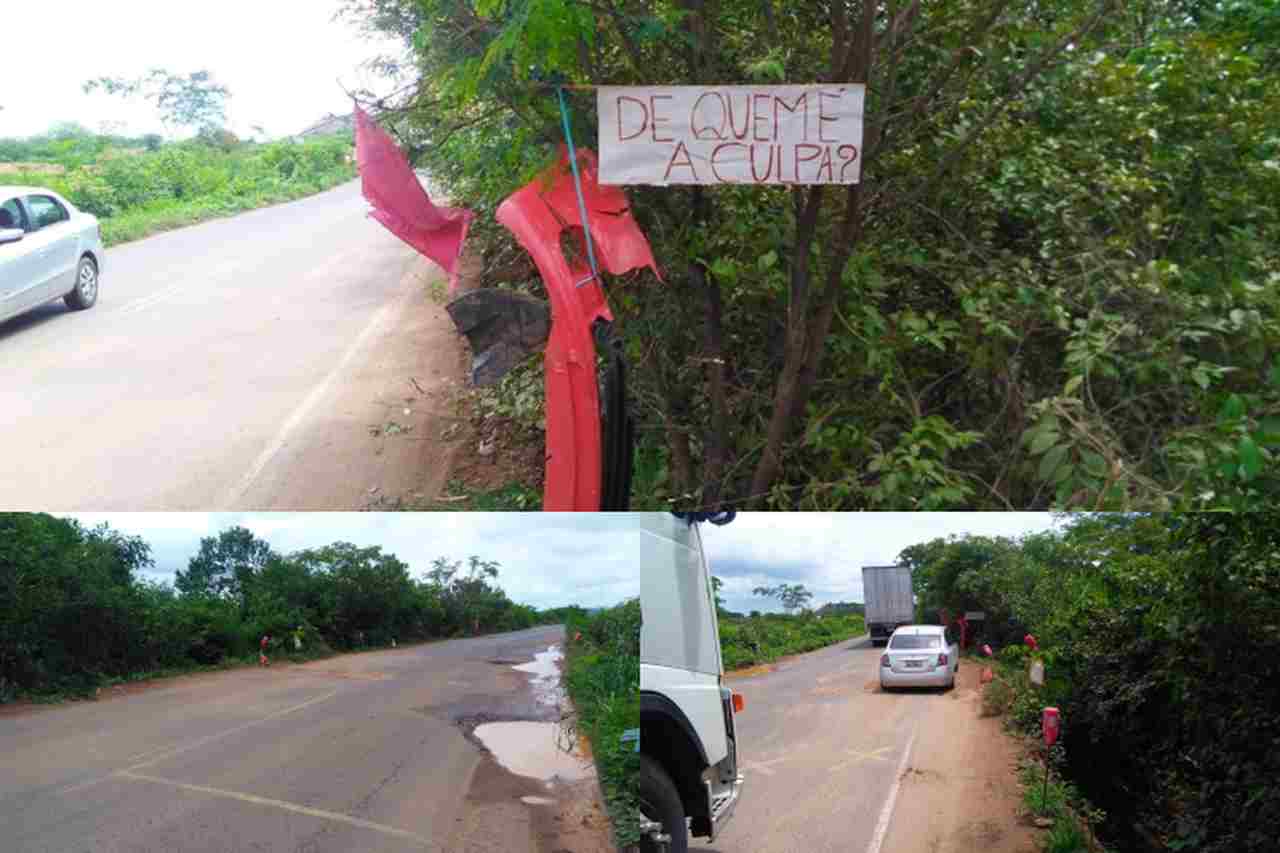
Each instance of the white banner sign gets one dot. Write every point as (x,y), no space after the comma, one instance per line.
(810,134)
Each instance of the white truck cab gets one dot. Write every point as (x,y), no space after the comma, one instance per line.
(689,779)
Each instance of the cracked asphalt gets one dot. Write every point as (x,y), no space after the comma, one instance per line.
(366,752)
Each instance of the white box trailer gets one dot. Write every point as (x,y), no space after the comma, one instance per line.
(889,600)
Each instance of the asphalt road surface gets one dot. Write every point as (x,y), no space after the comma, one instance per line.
(833,764)
(243,363)
(363,752)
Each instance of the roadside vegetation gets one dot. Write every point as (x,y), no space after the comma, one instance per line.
(140,186)
(765,637)
(602,675)
(748,640)
(76,612)
(1160,641)
(1056,285)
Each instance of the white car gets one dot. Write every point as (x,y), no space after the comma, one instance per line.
(48,250)
(919,656)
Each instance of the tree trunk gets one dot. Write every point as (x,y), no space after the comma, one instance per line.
(780,422)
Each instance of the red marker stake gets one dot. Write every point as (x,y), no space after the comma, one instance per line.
(1049,723)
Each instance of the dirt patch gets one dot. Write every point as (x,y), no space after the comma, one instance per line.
(831,690)
(921,775)
(497,452)
(961,792)
(494,451)
(345,675)
(980,834)
(12,168)
(751,671)
(578,823)
(503,812)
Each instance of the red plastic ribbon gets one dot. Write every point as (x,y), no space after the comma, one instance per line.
(401,204)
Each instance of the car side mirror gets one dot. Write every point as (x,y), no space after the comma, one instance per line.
(11,235)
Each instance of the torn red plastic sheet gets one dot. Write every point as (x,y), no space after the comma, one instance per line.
(401,204)
(537,214)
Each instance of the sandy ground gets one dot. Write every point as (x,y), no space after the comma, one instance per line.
(904,772)
(960,792)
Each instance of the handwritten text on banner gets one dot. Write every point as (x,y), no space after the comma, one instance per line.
(809,134)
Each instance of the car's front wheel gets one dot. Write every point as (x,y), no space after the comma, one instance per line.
(85,293)
(660,803)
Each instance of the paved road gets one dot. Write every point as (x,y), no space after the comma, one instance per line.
(236,364)
(833,764)
(360,752)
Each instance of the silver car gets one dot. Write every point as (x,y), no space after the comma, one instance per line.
(919,656)
(48,250)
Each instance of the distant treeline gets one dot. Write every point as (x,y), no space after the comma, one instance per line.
(141,185)
(75,613)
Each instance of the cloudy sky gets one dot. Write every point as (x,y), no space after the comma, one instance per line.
(280,59)
(826,551)
(547,559)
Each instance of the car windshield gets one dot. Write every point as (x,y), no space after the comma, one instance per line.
(915,641)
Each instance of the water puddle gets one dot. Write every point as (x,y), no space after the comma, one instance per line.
(545,677)
(538,801)
(533,749)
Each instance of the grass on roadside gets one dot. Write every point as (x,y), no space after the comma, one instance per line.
(510,497)
(747,641)
(168,215)
(602,675)
(1012,695)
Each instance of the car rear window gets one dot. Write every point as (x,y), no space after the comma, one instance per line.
(915,641)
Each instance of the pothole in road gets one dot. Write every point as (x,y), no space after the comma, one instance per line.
(544,671)
(538,801)
(528,739)
(534,749)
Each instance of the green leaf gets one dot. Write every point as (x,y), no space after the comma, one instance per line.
(1269,433)
(1072,384)
(1232,409)
(1052,460)
(1250,458)
(1043,442)
(1093,463)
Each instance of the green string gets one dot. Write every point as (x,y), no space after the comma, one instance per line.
(577,186)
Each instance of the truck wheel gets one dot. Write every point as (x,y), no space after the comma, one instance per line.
(660,801)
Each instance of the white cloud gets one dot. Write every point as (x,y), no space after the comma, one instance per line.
(281,60)
(547,559)
(826,551)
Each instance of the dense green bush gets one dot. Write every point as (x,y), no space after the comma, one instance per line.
(1055,286)
(1162,649)
(136,189)
(74,614)
(602,676)
(765,638)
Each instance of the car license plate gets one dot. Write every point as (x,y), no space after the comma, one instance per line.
(912,663)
